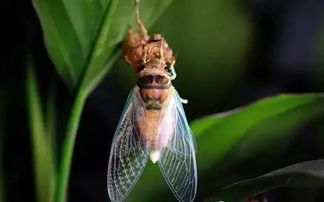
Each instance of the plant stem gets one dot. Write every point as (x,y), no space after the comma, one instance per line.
(68,146)
(81,96)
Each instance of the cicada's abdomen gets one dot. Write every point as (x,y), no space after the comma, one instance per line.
(157,126)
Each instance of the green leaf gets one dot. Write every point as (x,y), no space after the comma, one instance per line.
(42,149)
(83,37)
(304,174)
(265,123)
(50,119)
(217,134)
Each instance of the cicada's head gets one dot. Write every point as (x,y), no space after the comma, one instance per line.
(154,74)
(154,81)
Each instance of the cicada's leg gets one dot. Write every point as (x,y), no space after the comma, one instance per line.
(173,73)
(145,55)
(139,21)
(184,101)
(161,51)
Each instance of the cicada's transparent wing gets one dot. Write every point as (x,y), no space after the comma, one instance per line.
(128,155)
(178,160)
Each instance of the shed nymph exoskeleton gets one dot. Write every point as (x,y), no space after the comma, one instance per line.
(153,124)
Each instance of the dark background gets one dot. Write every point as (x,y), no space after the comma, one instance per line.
(230,53)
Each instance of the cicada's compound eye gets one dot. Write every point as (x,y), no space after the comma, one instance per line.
(161,80)
(171,71)
(146,79)
(140,68)
(167,69)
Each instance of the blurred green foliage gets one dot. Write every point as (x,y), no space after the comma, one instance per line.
(319,68)
(44,168)
(263,125)
(304,174)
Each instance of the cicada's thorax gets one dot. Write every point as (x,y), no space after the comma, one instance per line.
(156,90)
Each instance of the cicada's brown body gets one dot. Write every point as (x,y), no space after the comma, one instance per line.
(154,134)
(151,58)
(153,124)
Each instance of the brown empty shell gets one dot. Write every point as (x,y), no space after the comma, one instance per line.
(140,49)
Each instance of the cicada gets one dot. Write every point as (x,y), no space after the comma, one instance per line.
(153,124)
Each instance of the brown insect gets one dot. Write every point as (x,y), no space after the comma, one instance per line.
(153,124)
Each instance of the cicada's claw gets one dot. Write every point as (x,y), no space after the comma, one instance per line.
(173,73)
(184,101)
